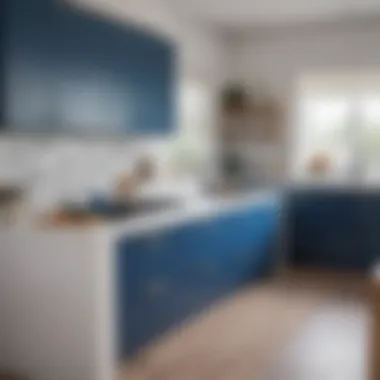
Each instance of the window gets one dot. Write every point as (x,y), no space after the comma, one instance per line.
(337,139)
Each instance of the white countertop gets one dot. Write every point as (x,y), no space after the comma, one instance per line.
(188,209)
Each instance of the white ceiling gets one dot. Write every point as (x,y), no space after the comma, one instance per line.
(236,13)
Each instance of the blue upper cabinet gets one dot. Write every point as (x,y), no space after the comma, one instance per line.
(30,65)
(114,79)
(73,72)
(94,97)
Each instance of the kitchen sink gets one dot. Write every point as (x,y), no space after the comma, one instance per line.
(109,209)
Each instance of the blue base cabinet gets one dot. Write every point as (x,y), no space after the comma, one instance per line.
(166,277)
(334,230)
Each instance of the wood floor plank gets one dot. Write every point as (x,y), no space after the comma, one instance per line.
(251,334)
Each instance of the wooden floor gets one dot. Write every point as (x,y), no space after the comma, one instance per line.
(299,327)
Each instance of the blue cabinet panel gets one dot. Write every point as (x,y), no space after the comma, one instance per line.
(88,86)
(129,300)
(145,298)
(114,79)
(333,230)
(369,219)
(66,70)
(246,241)
(175,274)
(30,101)
(199,276)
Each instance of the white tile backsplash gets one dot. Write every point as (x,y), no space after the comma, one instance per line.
(56,170)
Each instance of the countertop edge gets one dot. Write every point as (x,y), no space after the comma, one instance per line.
(189,212)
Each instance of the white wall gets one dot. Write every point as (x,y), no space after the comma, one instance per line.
(273,59)
(62,169)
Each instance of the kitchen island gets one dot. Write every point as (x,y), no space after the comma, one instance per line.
(77,301)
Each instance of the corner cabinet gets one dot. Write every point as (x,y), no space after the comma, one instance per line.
(64,70)
(336,230)
(167,277)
